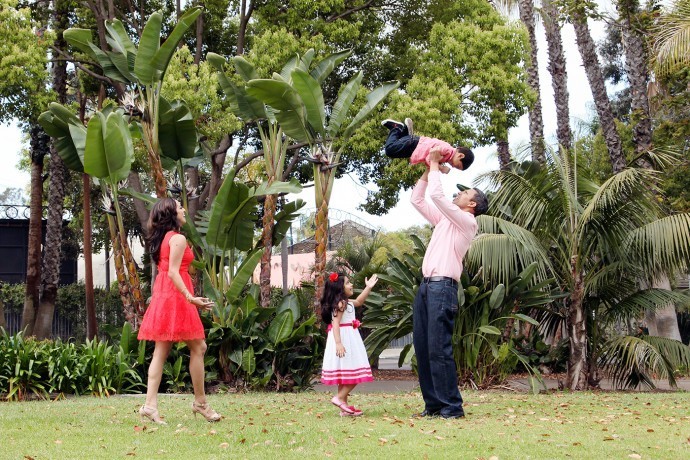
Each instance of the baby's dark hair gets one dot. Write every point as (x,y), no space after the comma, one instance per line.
(468,159)
(333,294)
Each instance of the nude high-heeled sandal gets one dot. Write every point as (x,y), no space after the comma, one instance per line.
(151,414)
(205,410)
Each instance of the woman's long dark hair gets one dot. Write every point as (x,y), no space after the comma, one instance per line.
(163,218)
(333,293)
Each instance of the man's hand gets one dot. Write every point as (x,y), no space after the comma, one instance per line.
(435,155)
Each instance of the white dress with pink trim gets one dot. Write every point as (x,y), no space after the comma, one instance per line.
(353,368)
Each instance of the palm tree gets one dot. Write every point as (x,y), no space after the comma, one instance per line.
(300,109)
(578,15)
(600,239)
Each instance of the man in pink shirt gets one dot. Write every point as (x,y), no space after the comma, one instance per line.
(436,302)
(401,143)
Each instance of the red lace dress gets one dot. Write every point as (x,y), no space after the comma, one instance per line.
(169,316)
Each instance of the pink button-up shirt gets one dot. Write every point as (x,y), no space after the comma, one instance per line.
(453,232)
(421,152)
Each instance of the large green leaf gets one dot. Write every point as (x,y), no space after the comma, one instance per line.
(176,130)
(291,303)
(95,163)
(165,52)
(231,224)
(82,39)
(312,98)
(343,104)
(281,327)
(118,147)
(118,38)
(373,99)
(326,66)
(249,361)
(244,68)
(291,113)
(149,44)
(243,274)
(284,219)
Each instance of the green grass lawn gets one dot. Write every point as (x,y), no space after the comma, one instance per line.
(498,425)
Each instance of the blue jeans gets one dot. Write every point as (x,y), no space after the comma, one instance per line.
(434,313)
(400,144)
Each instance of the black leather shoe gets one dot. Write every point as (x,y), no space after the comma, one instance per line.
(452,416)
(426,413)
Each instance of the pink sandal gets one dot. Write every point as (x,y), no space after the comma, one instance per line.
(343,407)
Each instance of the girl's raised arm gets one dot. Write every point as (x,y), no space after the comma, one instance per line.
(370,283)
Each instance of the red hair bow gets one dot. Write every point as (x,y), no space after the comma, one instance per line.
(333,277)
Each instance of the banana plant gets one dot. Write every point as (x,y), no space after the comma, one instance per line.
(251,110)
(102,149)
(224,237)
(299,107)
(144,67)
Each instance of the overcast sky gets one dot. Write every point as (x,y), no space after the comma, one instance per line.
(348,193)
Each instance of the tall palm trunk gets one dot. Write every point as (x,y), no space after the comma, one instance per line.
(577,335)
(557,69)
(59,175)
(536,122)
(588,51)
(39,149)
(51,257)
(503,150)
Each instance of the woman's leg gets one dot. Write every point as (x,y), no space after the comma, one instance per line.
(160,354)
(197,350)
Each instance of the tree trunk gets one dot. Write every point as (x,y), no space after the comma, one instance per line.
(127,307)
(59,175)
(588,51)
(504,154)
(663,322)
(199,38)
(267,240)
(39,149)
(577,332)
(536,122)
(636,63)
(53,243)
(321,238)
(3,324)
(284,260)
(91,322)
(557,69)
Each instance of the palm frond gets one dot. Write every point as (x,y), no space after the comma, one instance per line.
(663,244)
(634,361)
(517,196)
(636,304)
(671,49)
(511,249)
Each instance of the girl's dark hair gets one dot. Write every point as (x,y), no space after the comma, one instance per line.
(333,293)
(163,218)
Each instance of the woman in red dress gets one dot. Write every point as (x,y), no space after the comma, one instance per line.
(172,315)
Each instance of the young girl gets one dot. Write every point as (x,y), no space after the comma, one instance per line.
(345,361)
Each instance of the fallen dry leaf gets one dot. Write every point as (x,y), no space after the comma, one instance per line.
(224,445)
(635,456)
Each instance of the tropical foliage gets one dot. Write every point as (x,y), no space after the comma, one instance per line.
(601,241)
